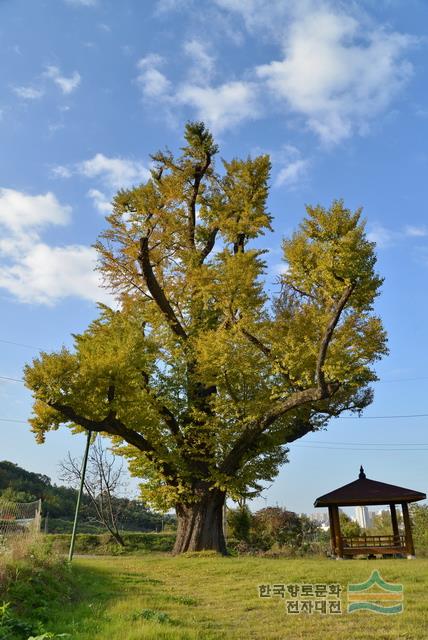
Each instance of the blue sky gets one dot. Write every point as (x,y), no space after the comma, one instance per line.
(335,92)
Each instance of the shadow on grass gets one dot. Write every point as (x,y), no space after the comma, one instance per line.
(94,589)
(113,601)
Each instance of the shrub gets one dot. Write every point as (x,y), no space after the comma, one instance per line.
(104,543)
(239,523)
(31,584)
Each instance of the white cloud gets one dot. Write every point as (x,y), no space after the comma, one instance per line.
(291,173)
(202,63)
(47,274)
(67,85)
(20,211)
(116,172)
(31,270)
(152,82)
(382,236)
(386,238)
(112,173)
(100,200)
(293,166)
(337,70)
(260,16)
(280,268)
(60,171)
(223,106)
(335,74)
(416,232)
(29,93)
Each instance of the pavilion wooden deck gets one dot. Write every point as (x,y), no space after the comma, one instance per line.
(374,545)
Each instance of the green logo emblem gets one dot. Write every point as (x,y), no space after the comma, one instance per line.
(375,595)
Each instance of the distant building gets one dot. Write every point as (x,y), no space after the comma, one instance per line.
(363,517)
(321,517)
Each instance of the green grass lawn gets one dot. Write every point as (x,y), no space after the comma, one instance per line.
(159,597)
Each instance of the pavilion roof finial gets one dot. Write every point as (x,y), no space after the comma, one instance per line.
(362,475)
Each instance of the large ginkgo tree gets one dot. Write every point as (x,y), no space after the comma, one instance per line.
(202,376)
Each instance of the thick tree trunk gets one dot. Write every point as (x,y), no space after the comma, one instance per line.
(200,524)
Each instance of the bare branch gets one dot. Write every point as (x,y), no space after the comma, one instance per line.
(101,483)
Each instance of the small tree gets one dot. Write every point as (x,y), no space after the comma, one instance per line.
(275,525)
(419,518)
(381,522)
(203,376)
(104,479)
(348,527)
(239,522)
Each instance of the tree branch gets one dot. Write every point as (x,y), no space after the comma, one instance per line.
(258,343)
(301,292)
(239,244)
(267,351)
(156,290)
(206,250)
(200,171)
(328,334)
(169,418)
(113,426)
(323,390)
(248,439)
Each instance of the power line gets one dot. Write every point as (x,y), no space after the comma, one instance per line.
(13,379)
(372,444)
(308,446)
(13,420)
(20,344)
(400,380)
(411,415)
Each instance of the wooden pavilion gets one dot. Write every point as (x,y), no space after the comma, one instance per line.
(365,492)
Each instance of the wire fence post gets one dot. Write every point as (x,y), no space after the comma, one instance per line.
(79,497)
(38,519)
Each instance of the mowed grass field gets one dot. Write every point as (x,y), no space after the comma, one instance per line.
(159,597)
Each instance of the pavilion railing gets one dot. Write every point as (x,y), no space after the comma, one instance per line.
(373,541)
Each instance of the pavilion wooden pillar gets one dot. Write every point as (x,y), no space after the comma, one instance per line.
(394,523)
(410,549)
(337,533)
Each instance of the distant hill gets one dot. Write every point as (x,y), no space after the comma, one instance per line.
(58,502)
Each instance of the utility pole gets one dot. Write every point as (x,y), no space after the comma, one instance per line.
(79,496)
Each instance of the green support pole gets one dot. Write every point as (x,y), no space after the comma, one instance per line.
(79,497)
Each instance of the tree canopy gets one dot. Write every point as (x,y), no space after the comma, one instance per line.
(204,375)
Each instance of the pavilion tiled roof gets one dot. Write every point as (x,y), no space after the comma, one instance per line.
(364,491)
